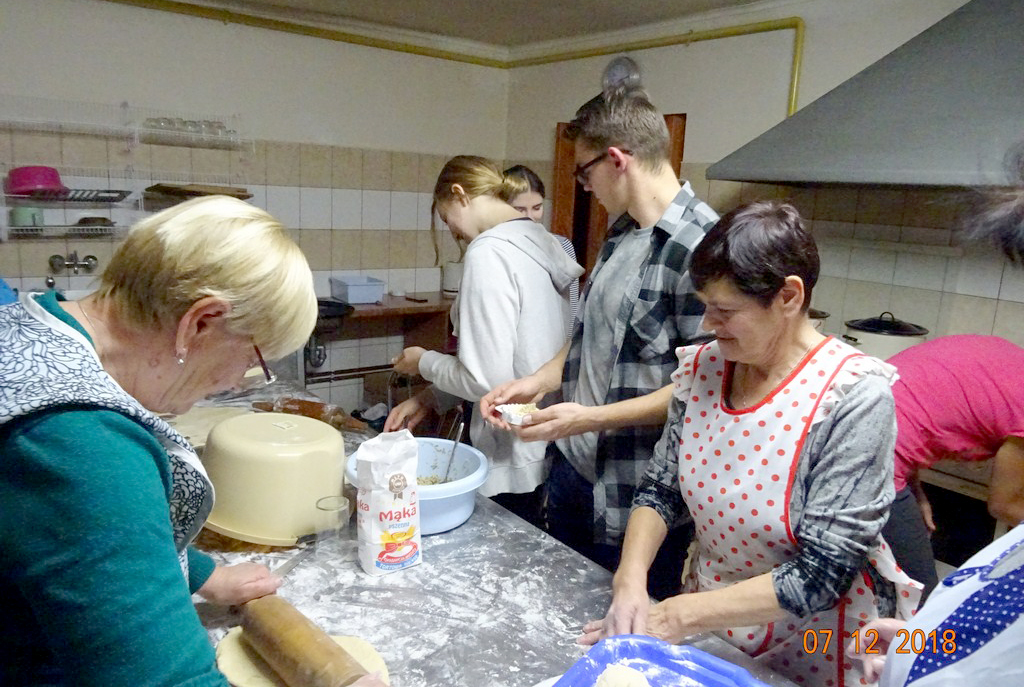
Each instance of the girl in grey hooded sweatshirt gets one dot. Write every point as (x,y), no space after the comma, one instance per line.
(510,317)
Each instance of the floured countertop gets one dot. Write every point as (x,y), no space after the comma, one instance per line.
(495,603)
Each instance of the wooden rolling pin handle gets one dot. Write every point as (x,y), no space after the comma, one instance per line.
(300,653)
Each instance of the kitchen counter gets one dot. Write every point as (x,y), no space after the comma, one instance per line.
(496,602)
(421,323)
(391,306)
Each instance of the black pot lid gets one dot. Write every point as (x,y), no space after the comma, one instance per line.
(886,323)
(816,314)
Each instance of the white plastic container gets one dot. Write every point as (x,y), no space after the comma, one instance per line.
(443,507)
(357,289)
(268,471)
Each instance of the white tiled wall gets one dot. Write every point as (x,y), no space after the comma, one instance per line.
(346,209)
(341,209)
(945,293)
(285,204)
(1012,286)
(404,209)
(315,211)
(920,271)
(348,355)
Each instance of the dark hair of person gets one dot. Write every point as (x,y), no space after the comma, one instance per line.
(622,116)
(755,247)
(997,216)
(523,180)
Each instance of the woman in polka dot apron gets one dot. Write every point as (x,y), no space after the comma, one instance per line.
(779,446)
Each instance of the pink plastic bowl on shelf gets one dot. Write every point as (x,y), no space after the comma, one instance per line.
(33,179)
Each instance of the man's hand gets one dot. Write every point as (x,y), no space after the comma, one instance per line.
(555,422)
(525,390)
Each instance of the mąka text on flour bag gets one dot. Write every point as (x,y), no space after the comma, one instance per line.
(387,503)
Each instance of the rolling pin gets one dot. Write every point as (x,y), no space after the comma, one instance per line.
(300,653)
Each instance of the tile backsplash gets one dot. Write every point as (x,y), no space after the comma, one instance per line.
(356,211)
(894,249)
(352,211)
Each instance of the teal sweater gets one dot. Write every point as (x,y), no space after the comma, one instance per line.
(93,592)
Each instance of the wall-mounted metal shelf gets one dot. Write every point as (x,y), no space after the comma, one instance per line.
(133,124)
(72,195)
(54,231)
(229,140)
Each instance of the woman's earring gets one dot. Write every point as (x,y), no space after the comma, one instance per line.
(181,357)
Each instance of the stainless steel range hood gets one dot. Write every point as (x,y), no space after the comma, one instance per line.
(941,110)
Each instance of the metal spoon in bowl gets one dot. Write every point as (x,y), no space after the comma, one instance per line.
(451,457)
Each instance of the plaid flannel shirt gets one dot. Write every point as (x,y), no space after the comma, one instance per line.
(659,312)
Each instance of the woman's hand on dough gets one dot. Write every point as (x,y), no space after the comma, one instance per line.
(235,584)
(626,615)
(667,619)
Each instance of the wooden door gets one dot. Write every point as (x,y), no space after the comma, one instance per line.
(574,213)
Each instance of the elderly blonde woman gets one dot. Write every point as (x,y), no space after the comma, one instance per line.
(99,497)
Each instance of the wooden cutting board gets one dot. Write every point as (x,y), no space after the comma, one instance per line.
(189,190)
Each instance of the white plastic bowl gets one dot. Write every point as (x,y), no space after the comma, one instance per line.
(443,507)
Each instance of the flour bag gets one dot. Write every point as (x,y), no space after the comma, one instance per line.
(387,503)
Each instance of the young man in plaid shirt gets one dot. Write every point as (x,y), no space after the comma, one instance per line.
(638,305)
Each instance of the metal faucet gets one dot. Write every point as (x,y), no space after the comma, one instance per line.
(58,263)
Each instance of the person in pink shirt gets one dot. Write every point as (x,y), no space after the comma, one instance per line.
(958,397)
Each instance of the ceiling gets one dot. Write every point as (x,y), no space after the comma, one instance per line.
(499,23)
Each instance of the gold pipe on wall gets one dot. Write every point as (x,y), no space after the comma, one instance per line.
(796,24)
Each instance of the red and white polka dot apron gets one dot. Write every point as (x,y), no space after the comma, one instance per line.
(736,469)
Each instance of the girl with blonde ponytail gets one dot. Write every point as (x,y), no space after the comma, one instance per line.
(510,317)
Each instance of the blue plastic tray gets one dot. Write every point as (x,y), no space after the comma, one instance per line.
(663,664)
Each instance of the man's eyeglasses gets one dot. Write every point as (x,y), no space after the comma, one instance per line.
(582,173)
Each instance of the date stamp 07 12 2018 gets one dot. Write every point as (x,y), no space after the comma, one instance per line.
(905,641)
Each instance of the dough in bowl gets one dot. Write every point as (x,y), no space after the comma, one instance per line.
(621,676)
(243,667)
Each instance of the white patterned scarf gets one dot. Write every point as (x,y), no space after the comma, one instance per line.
(45,363)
